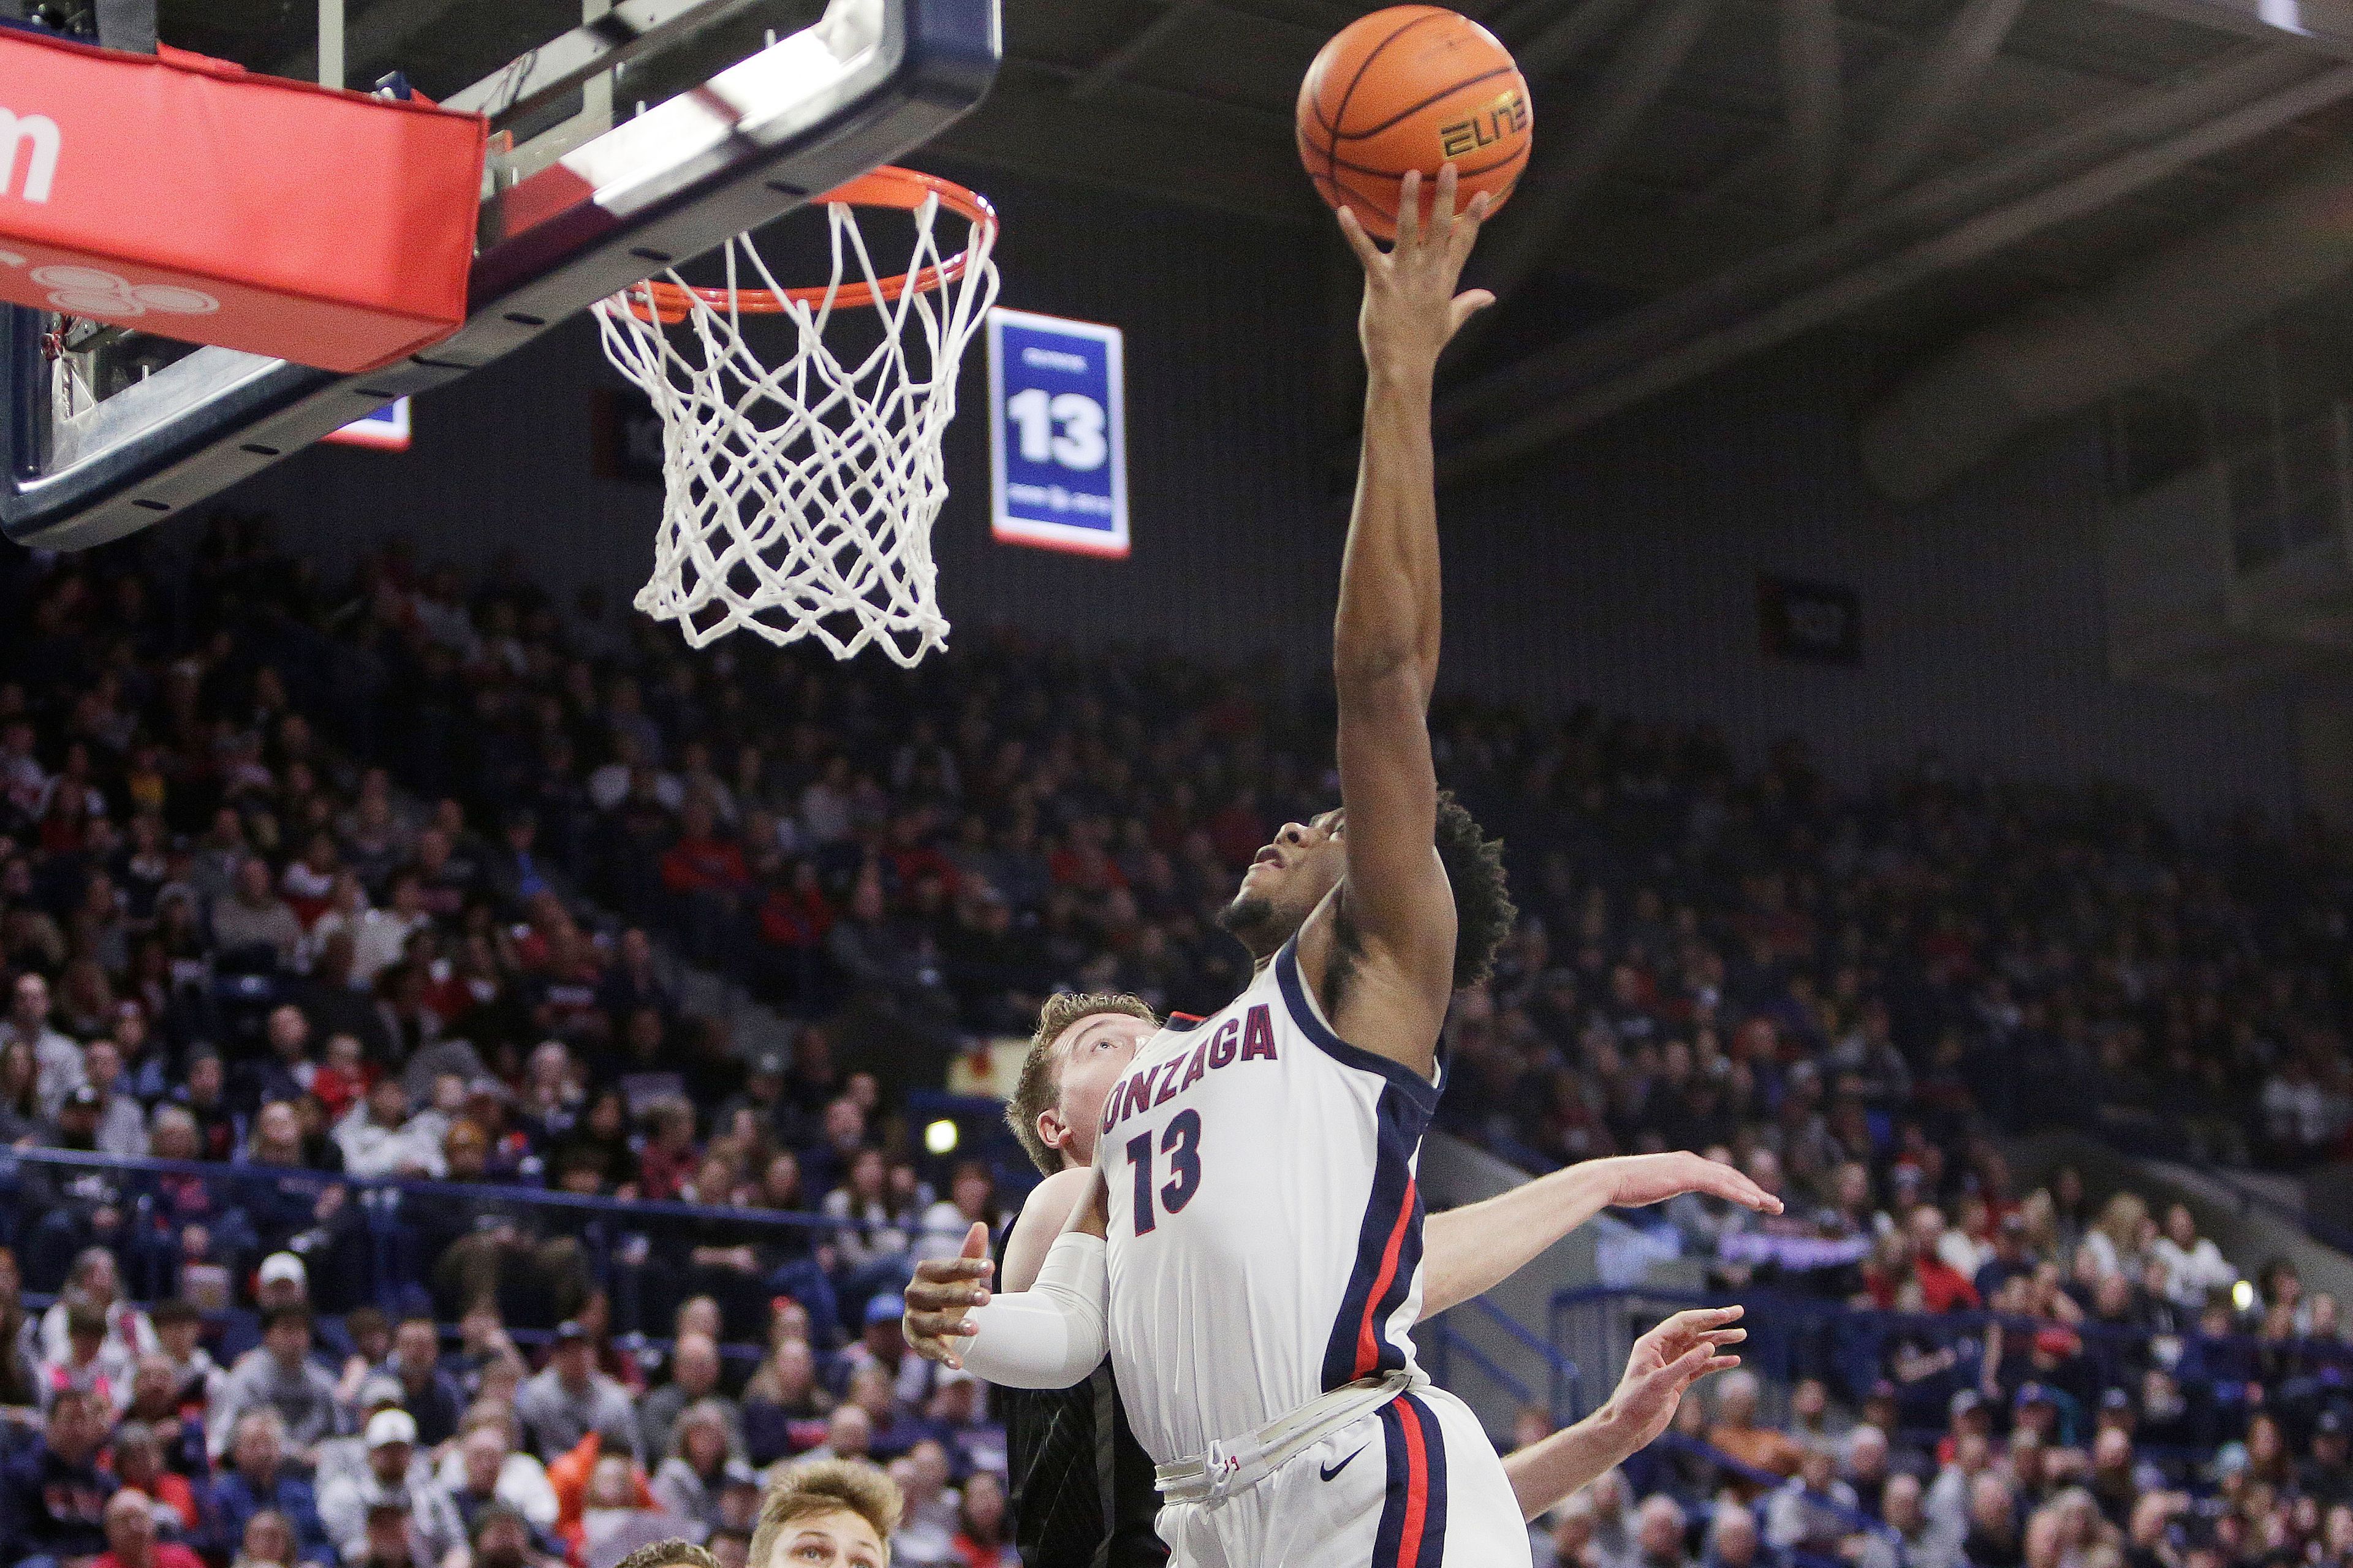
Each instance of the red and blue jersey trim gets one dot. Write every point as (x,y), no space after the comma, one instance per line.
(1389,1239)
(1417,1091)
(1412,1532)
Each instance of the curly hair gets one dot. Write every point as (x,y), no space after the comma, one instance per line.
(1484,912)
(674,1554)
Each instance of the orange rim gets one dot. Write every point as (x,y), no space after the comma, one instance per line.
(888,186)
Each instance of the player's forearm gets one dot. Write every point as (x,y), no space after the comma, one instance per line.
(1468,1251)
(1054,1333)
(1546,1473)
(1388,624)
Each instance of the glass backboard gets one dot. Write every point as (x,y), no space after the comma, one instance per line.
(629,134)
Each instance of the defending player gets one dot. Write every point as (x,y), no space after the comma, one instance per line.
(1251,1254)
(1084,1488)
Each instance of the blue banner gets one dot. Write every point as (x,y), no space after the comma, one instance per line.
(1058,441)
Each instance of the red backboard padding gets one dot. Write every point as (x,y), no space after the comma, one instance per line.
(189,198)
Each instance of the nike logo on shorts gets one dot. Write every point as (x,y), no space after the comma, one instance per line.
(1328,1471)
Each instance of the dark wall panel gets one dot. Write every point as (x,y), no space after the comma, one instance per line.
(1627,575)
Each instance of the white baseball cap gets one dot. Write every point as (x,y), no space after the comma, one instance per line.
(280,1268)
(390,1426)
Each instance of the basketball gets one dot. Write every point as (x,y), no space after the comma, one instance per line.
(1412,87)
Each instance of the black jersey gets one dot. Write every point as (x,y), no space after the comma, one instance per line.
(1082,1486)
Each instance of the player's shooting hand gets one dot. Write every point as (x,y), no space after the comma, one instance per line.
(1637,1180)
(1665,1362)
(944,1292)
(1411,309)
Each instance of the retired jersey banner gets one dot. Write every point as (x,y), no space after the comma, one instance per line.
(1058,439)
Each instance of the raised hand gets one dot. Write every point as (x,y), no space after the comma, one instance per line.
(1411,309)
(1638,1180)
(1665,1362)
(943,1291)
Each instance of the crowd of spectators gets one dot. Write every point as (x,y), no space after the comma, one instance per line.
(345,1030)
(916,857)
(232,940)
(2041,1385)
(934,851)
(359,1442)
(1993,1487)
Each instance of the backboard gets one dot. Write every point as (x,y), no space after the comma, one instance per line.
(629,135)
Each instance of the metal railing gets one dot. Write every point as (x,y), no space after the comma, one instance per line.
(1564,1384)
(374,1243)
(1792,1336)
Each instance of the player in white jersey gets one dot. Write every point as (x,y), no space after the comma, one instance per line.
(1085,1487)
(1250,1252)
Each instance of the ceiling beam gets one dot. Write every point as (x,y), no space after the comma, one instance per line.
(2244,77)
(1739,183)
(1947,79)
(1897,53)
(1812,88)
(1564,39)
(1554,187)
(1151,36)
(1045,135)
(1548,420)
(1328,16)
(1269,128)
(2323,26)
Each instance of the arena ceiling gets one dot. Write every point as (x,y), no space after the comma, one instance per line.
(1713,178)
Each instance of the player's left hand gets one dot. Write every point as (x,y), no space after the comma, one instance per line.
(1636,1181)
(941,1296)
(1665,1362)
(1411,310)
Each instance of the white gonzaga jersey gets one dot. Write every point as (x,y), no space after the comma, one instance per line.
(1265,1240)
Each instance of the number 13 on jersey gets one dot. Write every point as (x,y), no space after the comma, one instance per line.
(1058,442)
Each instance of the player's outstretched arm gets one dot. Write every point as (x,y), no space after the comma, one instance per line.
(1468,1251)
(941,1297)
(1665,1363)
(1057,1331)
(1385,637)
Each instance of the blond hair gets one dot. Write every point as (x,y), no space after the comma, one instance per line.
(2120,1222)
(823,1487)
(1040,1081)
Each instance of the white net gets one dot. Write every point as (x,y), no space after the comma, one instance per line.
(801,496)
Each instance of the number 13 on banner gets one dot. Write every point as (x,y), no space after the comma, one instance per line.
(1057,442)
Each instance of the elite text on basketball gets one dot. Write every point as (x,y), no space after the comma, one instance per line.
(1507,114)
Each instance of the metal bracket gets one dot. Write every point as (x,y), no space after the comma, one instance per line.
(756,142)
(629,29)
(127,24)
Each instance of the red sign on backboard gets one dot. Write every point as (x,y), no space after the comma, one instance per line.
(182,195)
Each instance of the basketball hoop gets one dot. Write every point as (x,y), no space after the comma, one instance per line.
(801,496)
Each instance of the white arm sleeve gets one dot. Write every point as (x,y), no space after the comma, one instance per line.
(1054,1333)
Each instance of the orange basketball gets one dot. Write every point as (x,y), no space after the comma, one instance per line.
(1412,87)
